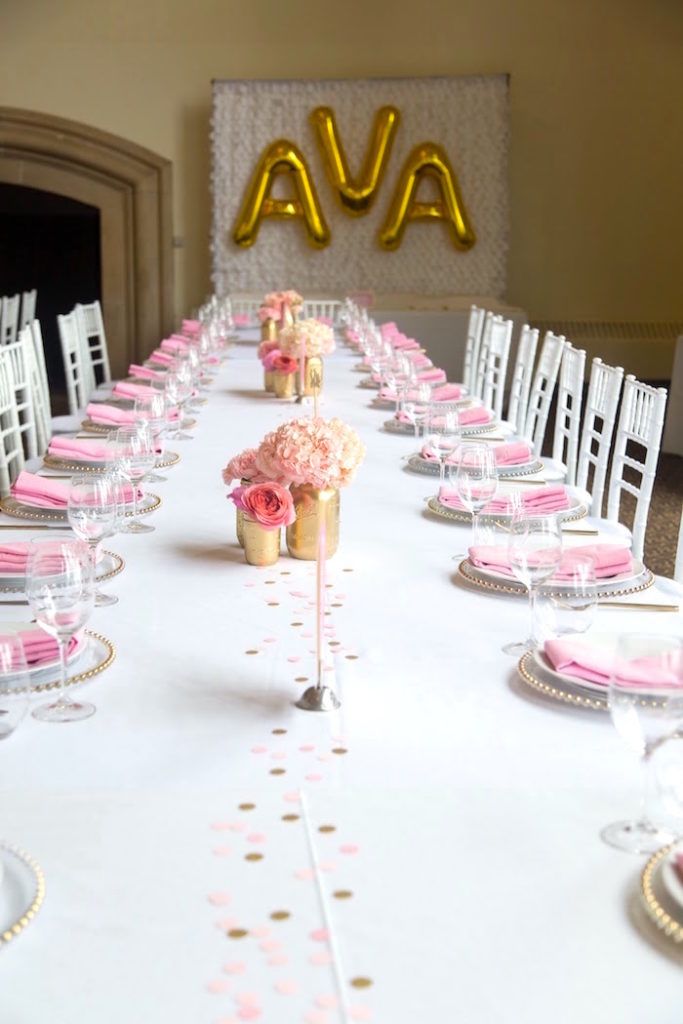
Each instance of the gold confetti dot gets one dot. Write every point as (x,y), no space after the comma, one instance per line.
(328,613)
(335,643)
(290,817)
(329,586)
(327,828)
(278,732)
(297,623)
(280,915)
(252,652)
(270,581)
(351,657)
(247,807)
(339,750)
(278,771)
(361,982)
(253,856)
(301,679)
(347,570)
(237,933)
(338,604)
(342,894)
(273,604)
(285,572)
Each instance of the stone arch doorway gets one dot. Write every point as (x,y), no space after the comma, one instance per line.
(131,188)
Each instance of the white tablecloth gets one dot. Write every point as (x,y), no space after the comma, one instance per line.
(466,812)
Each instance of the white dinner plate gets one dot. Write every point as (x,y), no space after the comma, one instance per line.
(11,507)
(431,468)
(41,673)
(93,466)
(109,565)
(637,579)
(393,426)
(576,510)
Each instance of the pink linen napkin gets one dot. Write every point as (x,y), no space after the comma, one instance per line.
(403,344)
(100,412)
(240,319)
(573,658)
(536,501)
(124,389)
(419,359)
(432,376)
(144,372)
(389,329)
(477,416)
(192,326)
(352,336)
(609,560)
(40,648)
(173,345)
(161,358)
(515,453)
(446,393)
(73,448)
(45,492)
(14,559)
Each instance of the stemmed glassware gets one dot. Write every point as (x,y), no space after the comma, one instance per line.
(151,410)
(59,588)
(475,479)
(534,553)
(178,392)
(14,685)
(92,515)
(646,705)
(135,457)
(417,408)
(441,437)
(572,609)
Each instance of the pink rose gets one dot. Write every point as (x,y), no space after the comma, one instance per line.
(268,504)
(268,313)
(265,347)
(282,363)
(270,360)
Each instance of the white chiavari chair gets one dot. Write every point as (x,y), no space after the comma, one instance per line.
(494,356)
(11,448)
(95,340)
(9,319)
(599,418)
(46,423)
(77,369)
(28,308)
(475,327)
(641,422)
(561,466)
(326,309)
(522,375)
(40,397)
(542,389)
(16,358)
(246,305)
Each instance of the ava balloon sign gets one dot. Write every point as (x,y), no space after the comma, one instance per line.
(355,195)
(399,185)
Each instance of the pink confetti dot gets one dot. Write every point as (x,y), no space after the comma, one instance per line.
(340,597)
(218,985)
(226,923)
(349,849)
(226,1020)
(221,826)
(294,658)
(287,987)
(249,1012)
(314,777)
(315,1017)
(219,899)
(259,750)
(247,998)
(298,593)
(235,967)
(270,640)
(278,960)
(238,826)
(327,865)
(306,747)
(320,935)
(270,945)
(306,635)
(327,1001)
(262,932)
(360,1013)
(305,874)
(222,851)
(250,584)
(324,757)
(278,755)
(292,797)
(322,959)
(256,837)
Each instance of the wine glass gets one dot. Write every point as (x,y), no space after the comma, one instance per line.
(441,437)
(646,704)
(59,588)
(91,512)
(534,552)
(475,478)
(135,457)
(178,391)
(14,684)
(151,410)
(571,609)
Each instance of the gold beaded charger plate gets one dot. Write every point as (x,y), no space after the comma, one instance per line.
(93,654)
(577,510)
(92,466)
(430,467)
(22,891)
(453,406)
(90,427)
(11,507)
(109,565)
(537,673)
(395,427)
(661,902)
(638,579)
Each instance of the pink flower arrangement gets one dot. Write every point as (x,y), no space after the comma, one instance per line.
(265,347)
(311,336)
(278,306)
(269,313)
(283,364)
(315,451)
(269,360)
(269,504)
(242,467)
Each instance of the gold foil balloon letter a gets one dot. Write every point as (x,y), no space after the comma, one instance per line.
(281,158)
(428,160)
(355,195)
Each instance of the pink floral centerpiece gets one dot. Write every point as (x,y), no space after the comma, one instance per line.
(279,308)
(243,467)
(309,340)
(265,508)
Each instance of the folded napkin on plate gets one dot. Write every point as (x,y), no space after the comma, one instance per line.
(192,326)
(173,345)
(446,393)
(39,647)
(609,560)
(402,344)
(477,416)
(144,372)
(419,359)
(100,412)
(73,448)
(514,453)
(14,558)
(46,492)
(389,329)
(352,336)
(160,357)
(433,375)
(241,319)
(123,389)
(538,501)
(594,664)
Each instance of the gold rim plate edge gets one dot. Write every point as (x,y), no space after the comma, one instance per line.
(22,922)
(665,921)
(519,590)
(25,512)
(90,673)
(555,692)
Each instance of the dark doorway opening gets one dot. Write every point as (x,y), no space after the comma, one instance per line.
(51,243)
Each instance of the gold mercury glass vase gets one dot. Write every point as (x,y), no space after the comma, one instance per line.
(239,516)
(269,329)
(261,546)
(283,384)
(302,535)
(269,380)
(312,377)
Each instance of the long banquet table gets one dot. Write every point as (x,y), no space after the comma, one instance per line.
(431,852)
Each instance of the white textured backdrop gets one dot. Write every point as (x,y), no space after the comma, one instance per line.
(467,115)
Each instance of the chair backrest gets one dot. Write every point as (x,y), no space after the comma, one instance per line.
(244,305)
(496,364)
(328,309)
(521,378)
(77,368)
(37,380)
(599,418)
(641,422)
(542,390)
(17,357)
(678,570)
(9,319)
(568,409)
(28,308)
(11,449)
(475,326)
(93,336)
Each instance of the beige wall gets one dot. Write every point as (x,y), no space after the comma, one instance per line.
(597,113)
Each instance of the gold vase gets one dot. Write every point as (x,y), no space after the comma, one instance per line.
(261,547)
(269,330)
(312,377)
(302,535)
(283,384)
(269,380)
(239,516)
